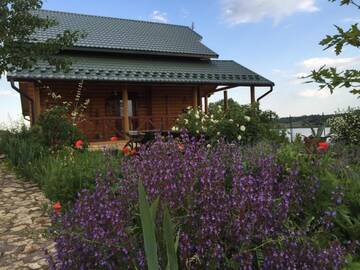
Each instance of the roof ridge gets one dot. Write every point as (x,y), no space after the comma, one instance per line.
(116,18)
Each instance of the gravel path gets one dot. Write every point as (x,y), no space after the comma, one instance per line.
(23,224)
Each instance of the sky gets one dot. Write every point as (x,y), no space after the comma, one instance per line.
(278,39)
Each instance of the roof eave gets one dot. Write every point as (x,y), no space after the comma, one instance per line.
(140,52)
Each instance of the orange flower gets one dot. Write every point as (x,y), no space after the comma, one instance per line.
(79,144)
(181,147)
(57,207)
(126,150)
(323,146)
(113,138)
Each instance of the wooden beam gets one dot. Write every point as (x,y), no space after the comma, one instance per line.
(195,97)
(252,94)
(37,104)
(206,103)
(125,112)
(225,101)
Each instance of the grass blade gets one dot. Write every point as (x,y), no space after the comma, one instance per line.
(168,230)
(148,229)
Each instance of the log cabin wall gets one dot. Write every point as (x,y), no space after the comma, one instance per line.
(158,104)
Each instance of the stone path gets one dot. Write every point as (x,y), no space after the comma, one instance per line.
(23,224)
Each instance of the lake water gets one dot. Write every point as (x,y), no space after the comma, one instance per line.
(303,131)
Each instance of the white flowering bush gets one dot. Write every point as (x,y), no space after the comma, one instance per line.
(345,128)
(213,126)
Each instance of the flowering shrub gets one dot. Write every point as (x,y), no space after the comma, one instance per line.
(213,126)
(240,123)
(232,211)
(346,127)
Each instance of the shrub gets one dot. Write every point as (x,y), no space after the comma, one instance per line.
(55,129)
(245,124)
(61,172)
(232,211)
(63,175)
(23,150)
(345,128)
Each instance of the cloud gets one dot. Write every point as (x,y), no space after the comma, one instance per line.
(351,20)
(311,93)
(158,16)
(318,62)
(248,11)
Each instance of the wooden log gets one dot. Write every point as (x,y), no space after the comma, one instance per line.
(125,112)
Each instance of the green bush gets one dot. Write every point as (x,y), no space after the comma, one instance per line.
(338,175)
(23,150)
(55,129)
(245,124)
(61,171)
(67,172)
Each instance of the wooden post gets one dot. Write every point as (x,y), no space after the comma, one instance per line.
(206,105)
(37,104)
(252,94)
(125,112)
(195,97)
(225,101)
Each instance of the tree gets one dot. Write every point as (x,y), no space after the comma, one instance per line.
(18,47)
(330,77)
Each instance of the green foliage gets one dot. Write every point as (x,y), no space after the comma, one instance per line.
(330,77)
(148,230)
(23,150)
(240,123)
(56,130)
(170,242)
(62,175)
(148,225)
(338,176)
(345,128)
(18,48)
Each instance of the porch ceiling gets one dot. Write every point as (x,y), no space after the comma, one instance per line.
(129,69)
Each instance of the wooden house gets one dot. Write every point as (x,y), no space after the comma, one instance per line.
(138,75)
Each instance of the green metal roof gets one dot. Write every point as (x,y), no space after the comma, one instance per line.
(135,69)
(129,36)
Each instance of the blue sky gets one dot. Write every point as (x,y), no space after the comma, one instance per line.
(276,38)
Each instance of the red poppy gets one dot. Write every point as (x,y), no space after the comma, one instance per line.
(113,138)
(57,207)
(323,146)
(133,152)
(79,144)
(126,150)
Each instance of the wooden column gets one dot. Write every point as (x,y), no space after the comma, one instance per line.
(37,104)
(252,94)
(225,101)
(125,112)
(206,104)
(195,97)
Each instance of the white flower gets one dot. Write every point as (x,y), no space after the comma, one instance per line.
(197,116)
(247,118)
(218,133)
(186,121)
(242,128)
(197,132)
(239,137)
(230,120)
(174,128)
(208,146)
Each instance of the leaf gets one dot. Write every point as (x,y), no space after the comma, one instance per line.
(148,229)
(153,209)
(171,245)
(259,258)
